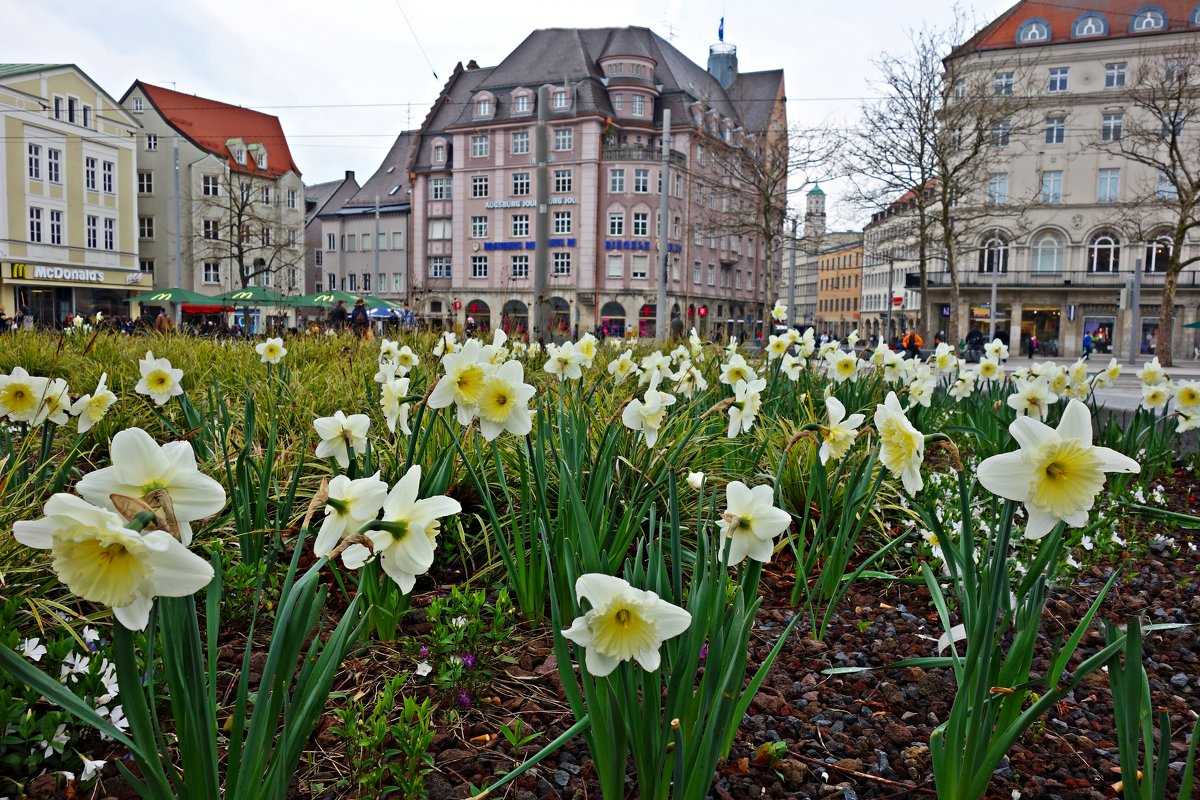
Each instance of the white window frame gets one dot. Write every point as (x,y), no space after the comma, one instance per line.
(521,185)
(519,226)
(519,142)
(564,139)
(480,186)
(479,227)
(479,266)
(519,266)
(561,264)
(480,147)
(562,222)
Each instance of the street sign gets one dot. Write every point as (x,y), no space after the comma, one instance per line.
(897,301)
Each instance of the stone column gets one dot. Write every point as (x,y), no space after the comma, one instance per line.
(1070,340)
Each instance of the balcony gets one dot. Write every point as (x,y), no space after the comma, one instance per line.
(639,152)
(1066,279)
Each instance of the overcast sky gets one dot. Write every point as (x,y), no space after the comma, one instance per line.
(345,78)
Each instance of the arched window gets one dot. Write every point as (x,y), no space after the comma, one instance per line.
(993,253)
(1089,24)
(1104,253)
(1150,18)
(1033,30)
(1158,254)
(1047,252)
(1194,19)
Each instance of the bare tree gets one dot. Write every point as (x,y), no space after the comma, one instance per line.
(241,227)
(1160,134)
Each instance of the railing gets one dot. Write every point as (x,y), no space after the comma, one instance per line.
(1188,279)
(639,152)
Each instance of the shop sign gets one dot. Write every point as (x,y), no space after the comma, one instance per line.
(20,271)
(527,245)
(638,244)
(554,201)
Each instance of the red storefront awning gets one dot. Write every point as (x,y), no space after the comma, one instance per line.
(196,308)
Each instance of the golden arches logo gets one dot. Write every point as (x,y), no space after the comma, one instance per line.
(162,296)
(20,271)
(242,296)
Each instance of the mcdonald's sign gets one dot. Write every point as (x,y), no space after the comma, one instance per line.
(20,271)
(165,297)
(242,296)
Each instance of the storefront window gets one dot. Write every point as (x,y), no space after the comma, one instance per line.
(1042,323)
(1101,330)
(1149,345)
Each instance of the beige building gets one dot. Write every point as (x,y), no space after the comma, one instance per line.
(68,214)
(1084,212)
(240,201)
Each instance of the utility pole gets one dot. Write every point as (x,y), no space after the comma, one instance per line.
(992,308)
(660,308)
(378,285)
(791,292)
(541,256)
(178,243)
(1135,315)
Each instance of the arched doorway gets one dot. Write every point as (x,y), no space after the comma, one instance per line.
(560,317)
(612,319)
(514,318)
(646,317)
(481,313)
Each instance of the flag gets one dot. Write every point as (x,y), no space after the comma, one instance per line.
(721,30)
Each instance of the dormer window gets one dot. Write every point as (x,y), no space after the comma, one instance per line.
(521,104)
(483,108)
(239,155)
(1033,30)
(561,100)
(439,151)
(1148,19)
(616,69)
(261,160)
(1089,24)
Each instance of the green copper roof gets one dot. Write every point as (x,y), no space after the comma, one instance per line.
(816,189)
(11,70)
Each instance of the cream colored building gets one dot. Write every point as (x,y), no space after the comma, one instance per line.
(1081,214)
(68,213)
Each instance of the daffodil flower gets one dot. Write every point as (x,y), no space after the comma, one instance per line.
(504,402)
(839,434)
(351,504)
(623,623)
(736,369)
(1033,398)
(463,382)
(747,402)
(779,311)
(623,366)
(902,447)
(392,395)
(842,366)
(160,381)
(339,434)
(21,394)
(1057,473)
(564,361)
(140,465)
(102,561)
(648,415)
(271,351)
(750,523)
(91,408)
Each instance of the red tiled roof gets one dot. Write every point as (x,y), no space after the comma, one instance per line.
(1061,15)
(210,124)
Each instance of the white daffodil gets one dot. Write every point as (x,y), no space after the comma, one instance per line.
(695,343)
(747,401)
(1152,374)
(996,349)
(1188,422)
(694,480)
(681,354)
(389,351)
(463,382)
(731,348)
(880,353)
(852,339)
(920,391)
(963,386)
(1155,397)
(447,344)
(1113,370)
(1032,398)
(791,366)
(160,381)
(902,447)
(271,351)
(1187,396)
(340,434)
(504,402)
(351,503)
(736,369)
(140,465)
(777,347)
(622,367)
(689,380)
(91,408)
(839,434)
(944,357)
(989,369)
(406,359)
(56,403)
(406,536)
(807,343)
(495,353)
(1060,381)
(21,395)
(647,415)
(894,368)
(393,392)
(102,561)
(842,366)
(655,363)
(623,623)
(586,349)
(1057,473)
(750,523)
(564,361)
(780,311)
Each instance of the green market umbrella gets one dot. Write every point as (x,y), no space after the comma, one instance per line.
(330,298)
(254,296)
(171,296)
(1192,325)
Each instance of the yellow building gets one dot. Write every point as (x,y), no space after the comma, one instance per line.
(68,209)
(839,287)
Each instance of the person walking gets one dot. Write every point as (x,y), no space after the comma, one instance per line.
(1087,346)
(358,317)
(1033,345)
(339,315)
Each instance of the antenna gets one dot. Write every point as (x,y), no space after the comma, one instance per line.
(670,31)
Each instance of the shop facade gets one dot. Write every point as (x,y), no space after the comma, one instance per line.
(50,293)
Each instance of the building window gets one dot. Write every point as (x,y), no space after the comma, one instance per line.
(641,224)
(1104,253)
(1150,19)
(616,181)
(1172,124)
(1114,75)
(521,104)
(520,184)
(638,107)
(562,222)
(479,266)
(640,267)
(330,242)
(519,266)
(397,240)
(35,224)
(89,173)
(210,185)
(1002,83)
(350,242)
(1165,189)
(618,101)
(106,173)
(564,139)
(1058,79)
(1052,187)
(261,161)
(712,275)
(1108,185)
(1089,24)
(439,229)
(319,258)
(483,107)
(145,183)
(56,226)
(616,223)
(641,181)
(291,198)
(1158,254)
(997,191)
(1033,30)
(696,272)
(366,242)
(266,238)
(266,195)
(562,180)
(561,101)
(211,230)
(54,165)
(993,255)
(439,267)
(110,233)
(146,227)
(1056,130)
(1001,133)
(89,228)
(616,265)
(146,265)
(479,146)
(397,282)
(479,227)
(562,264)
(439,188)
(352,282)
(439,153)
(960,89)
(1111,127)
(520,143)
(331,281)
(212,272)
(520,226)
(479,186)
(151,141)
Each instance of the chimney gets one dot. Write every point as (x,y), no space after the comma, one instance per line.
(472,64)
(349,174)
(722,63)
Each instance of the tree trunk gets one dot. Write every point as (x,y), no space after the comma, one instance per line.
(1166,319)
(923,306)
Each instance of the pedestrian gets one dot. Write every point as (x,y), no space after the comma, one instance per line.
(1033,345)
(162,323)
(358,317)
(339,315)
(408,320)
(1087,345)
